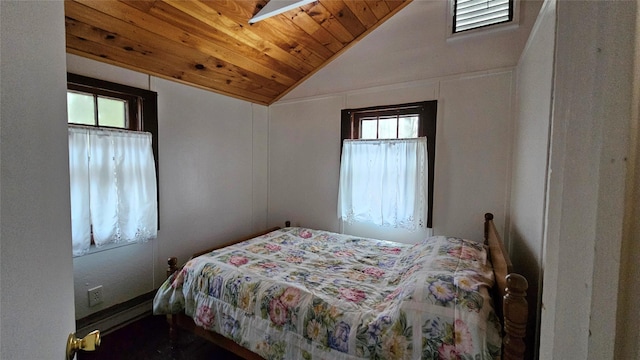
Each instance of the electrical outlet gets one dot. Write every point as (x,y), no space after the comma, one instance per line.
(95,296)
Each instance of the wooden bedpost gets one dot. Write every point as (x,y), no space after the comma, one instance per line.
(487,217)
(510,294)
(516,312)
(172,263)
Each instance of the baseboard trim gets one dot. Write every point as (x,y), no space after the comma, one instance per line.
(117,316)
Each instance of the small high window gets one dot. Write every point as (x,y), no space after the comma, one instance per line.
(474,14)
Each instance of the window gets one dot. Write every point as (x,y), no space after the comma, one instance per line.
(112,162)
(102,103)
(473,14)
(389,124)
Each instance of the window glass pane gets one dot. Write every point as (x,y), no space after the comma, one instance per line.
(111,112)
(387,128)
(80,108)
(408,127)
(368,128)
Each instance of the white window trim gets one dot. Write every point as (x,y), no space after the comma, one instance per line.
(93,249)
(510,25)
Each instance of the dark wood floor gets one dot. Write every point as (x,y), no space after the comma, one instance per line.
(148,339)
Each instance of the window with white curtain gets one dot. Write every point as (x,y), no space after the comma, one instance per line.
(387,162)
(384,182)
(113,187)
(112,163)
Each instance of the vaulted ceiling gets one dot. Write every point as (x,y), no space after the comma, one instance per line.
(211,45)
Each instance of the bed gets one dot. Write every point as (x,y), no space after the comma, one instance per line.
(298,293)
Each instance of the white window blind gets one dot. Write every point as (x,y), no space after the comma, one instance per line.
(471,14)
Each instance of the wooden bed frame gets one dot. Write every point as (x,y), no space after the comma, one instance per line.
(509,293)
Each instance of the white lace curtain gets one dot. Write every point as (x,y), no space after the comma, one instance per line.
(384,182)
(113,187)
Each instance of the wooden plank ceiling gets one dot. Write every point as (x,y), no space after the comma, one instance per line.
(210,44)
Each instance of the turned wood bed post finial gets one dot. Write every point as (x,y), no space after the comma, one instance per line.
(515,317)
(487,217)
(172,263)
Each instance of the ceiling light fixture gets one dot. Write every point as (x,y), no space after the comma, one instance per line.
(275,7)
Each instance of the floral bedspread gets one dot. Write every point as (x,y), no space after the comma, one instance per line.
(298,293)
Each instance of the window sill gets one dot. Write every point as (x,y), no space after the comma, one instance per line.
(483,31)
(94,249)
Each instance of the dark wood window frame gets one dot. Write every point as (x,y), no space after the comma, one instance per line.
(142,114)
(427,112)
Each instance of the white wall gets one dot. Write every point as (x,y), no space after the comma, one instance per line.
(304,148)
(473,140)
(413,45)
(36,314)
(473,147)
(408,58)
(212,184)
(589,145)
(628,318)
(530,153)
(212,169)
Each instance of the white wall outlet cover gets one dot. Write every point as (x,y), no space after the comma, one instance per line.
(95,295)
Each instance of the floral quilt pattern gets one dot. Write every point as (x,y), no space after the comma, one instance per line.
(299,293)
